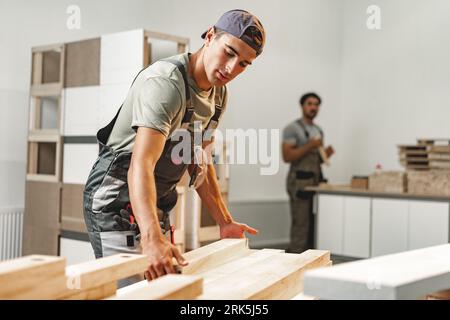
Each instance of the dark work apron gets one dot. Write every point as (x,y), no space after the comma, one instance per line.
(106,199)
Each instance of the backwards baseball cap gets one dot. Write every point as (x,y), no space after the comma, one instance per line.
(243,25)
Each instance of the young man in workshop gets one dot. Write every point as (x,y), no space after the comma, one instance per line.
(131,187)
(302,139)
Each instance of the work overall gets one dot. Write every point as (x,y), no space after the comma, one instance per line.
(303,173)
(107,211)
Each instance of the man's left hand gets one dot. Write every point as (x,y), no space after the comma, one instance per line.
(329,151)
(236,230)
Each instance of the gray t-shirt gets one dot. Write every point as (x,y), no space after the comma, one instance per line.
(157,100)
(294,134)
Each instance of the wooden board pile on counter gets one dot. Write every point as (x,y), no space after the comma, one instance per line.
(426,154)
(226,269)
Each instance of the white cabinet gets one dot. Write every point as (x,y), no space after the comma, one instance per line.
(330,223)
(389,226)
(356,242)
(363,227)
(343,225)
(428,224)
(75,251)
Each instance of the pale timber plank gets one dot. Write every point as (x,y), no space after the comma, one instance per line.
(168,287)
(214,254)
(95,273)
(247,259)
(32,277)
(405,275)
(276,277)
(96,293)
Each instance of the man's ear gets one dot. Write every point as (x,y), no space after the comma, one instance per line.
(209,36)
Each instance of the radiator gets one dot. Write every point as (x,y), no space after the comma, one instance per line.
(11,226)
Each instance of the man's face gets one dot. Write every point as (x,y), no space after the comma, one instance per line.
(225,57)
(310,108)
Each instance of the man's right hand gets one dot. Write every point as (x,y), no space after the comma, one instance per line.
(160,253)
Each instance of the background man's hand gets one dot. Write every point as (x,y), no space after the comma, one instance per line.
(329,151)
(315,143)
(235,230)
(160,253)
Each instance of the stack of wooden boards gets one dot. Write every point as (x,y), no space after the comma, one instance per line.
(407,275)
(426,154)
(226,269)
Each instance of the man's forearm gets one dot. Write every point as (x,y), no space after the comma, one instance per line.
(142,190)
(296,153)
(211,197)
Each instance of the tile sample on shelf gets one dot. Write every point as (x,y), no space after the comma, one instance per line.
(82,67)
(78,161)
(122,56)
(111,98)
(81,111)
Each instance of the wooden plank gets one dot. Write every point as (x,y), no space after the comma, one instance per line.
(50,47)
(168,287)
(443,149)
(36,77)
(162,36)
(278,277)
(442,141)
(32,158)
(20,277)
(245,260)
(214,254)
(43,136)
(95,273)
(42,178)
(414,159)
(147,52)
(96,293)
(405,275)
(46,90)
(439,156)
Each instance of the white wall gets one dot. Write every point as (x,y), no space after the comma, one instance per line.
(395,81)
